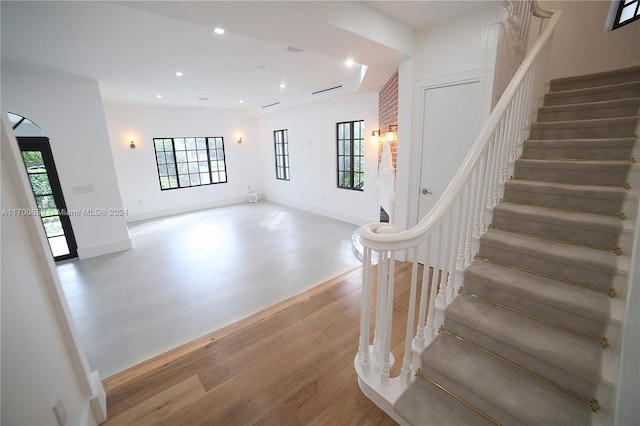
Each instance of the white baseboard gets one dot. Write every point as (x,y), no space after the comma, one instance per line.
(99,401)
(356,220)
(99,250)
(185,209)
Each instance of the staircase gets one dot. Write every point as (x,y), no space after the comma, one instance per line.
(527,340)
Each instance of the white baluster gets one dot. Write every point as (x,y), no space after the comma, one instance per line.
(424,291)
(431,276)
(405,372)
(468,221)
(386,349)
(365,310)
(452,249)
(381,303)
(442,297)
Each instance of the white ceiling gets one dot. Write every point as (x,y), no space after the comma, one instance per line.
(133,49)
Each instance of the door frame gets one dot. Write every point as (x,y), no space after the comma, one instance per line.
(41,144)
(457,81)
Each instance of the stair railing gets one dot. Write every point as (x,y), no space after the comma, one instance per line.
(446,238)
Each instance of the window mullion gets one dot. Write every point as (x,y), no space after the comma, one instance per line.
(175,163)
(206,142)
(352,156)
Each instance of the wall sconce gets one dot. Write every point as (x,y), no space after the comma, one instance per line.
(239,139)
(132,142)
(391,133)
(389,136)
(375,136)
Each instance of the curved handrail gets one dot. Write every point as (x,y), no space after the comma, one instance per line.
(379,236)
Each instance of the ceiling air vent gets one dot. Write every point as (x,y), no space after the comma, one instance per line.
(326,89)
(270,105)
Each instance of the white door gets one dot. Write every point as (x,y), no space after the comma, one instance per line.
(451,124)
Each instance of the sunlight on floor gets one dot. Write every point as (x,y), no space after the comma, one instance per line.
(190,274)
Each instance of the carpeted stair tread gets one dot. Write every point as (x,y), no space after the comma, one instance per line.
(605,200)
(585,172)
(511,332)
(585,310)
(621,127)
(628,107)
(605,78)
(497,384)
(593,94)
(557,225)
(424,404)
(570,226)
(565,261)
(583,149)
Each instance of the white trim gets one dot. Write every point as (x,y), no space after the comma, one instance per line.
(355,220)
(185,209)
(611,16)
(89,382)
(102,249)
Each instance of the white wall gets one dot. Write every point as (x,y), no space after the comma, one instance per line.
(70,113)
(455,51)
(580,45)
(137,170)
(41,360)
(312,153)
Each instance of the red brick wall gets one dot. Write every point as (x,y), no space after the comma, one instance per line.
(388,113)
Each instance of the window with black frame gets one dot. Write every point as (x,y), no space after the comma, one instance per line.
(187,162)
(350,154)
(281,147)
(628,11)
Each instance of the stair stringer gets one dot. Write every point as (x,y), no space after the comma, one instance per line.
(384,396)
(607,391)
(607,388)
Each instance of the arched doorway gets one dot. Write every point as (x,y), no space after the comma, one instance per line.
(45,184)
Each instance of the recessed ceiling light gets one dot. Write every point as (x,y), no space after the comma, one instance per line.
(241,101)
(349,62)
(158,96)
(282,85)
(219,30)
(179,74)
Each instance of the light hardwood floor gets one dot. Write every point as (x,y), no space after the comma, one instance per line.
(291,364)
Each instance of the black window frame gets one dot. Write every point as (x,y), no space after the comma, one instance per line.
(346,156)
(207,150)
(623,4)
(281,152)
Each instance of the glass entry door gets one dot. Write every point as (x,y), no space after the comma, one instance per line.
(45,184)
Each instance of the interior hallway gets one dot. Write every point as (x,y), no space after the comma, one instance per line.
(190,274)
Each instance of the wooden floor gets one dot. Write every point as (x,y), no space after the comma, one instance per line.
(291,364)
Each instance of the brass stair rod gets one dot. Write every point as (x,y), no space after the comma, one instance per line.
(448,392)
(595,406)
(617,250)
(604,343)
(611,292)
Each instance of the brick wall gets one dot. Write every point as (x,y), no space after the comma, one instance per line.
(388,113)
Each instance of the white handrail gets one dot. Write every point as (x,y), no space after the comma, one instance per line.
(446,238)
(380,236)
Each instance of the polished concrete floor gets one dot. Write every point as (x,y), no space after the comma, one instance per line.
(190,274)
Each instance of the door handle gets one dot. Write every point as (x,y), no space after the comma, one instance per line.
(425,191)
